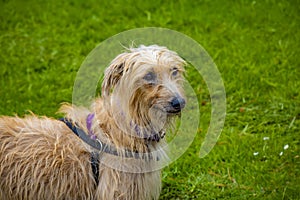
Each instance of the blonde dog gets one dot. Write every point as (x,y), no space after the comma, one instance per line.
(108,151)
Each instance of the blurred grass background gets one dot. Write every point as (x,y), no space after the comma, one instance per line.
(255,45)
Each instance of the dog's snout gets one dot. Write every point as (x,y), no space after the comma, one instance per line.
(178,103)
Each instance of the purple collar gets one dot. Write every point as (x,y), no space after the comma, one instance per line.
(89,122)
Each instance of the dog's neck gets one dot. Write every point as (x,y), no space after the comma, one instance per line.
(113,127)
(148,135)
(139,127)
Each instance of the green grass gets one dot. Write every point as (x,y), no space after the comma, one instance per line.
(255,44)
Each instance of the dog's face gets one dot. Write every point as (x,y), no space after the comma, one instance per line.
(145,85)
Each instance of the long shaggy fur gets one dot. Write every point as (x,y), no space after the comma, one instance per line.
(41,158)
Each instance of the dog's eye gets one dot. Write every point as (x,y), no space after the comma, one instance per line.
(150,77)
(175,71)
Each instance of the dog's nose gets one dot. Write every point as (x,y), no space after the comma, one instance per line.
(178,103)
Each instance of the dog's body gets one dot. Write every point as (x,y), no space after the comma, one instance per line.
(41,158)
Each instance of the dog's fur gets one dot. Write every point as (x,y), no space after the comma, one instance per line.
(41,158)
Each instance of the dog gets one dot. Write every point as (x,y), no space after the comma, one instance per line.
(107,151)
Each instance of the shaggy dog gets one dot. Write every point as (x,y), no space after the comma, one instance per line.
(109,151)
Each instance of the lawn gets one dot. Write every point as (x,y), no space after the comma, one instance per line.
(254,44)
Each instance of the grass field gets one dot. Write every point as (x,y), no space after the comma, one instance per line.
(255,45)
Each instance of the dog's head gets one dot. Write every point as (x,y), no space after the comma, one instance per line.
(145,85)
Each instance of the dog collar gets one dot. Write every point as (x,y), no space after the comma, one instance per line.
(154,136)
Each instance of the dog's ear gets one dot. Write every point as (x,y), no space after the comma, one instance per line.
(112,75)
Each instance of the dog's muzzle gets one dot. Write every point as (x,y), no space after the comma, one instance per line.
(176,105)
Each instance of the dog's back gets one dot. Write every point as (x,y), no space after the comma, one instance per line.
(41,159)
